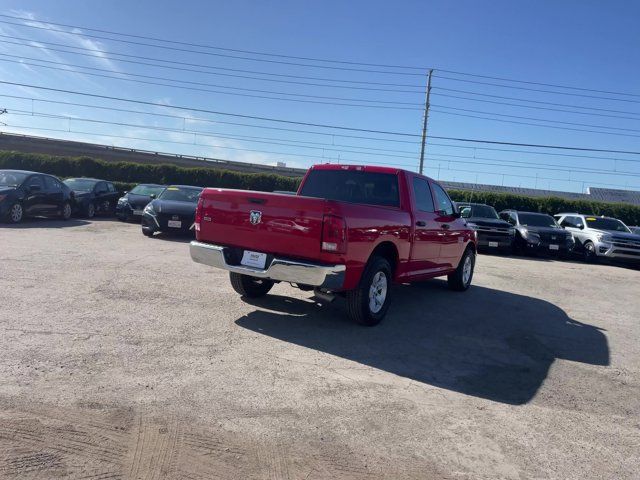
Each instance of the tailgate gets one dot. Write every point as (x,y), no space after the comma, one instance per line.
(286,225)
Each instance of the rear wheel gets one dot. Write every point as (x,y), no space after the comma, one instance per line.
(65,212)
(368,303)
(460,280)
(90,210)
(589,252)
(16,213)
(248,286)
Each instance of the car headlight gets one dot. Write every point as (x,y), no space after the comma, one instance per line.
(604,237)
(530,236)
(149,210)
(472,225)
(123,201)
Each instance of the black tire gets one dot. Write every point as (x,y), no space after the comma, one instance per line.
(359,300)
(248,286)
(148,233)
(589,252)
(90,210)
(15,213)
(460,280)
(65,211)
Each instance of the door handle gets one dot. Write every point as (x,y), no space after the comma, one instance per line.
(445,226)
(420,223)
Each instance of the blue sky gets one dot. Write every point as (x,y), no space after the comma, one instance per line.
(585,44)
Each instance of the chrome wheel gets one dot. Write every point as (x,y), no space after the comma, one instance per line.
(377,292)
(66,211)
(467,268)
(16,213)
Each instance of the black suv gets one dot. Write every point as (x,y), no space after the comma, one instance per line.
(93,195)
(493,233)
(538,233)
(30,194)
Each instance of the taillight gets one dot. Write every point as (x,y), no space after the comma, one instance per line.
(334,234)
(198,218)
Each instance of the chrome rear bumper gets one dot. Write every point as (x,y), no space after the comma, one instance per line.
(330,277)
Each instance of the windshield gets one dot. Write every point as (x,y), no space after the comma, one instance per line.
(147,190)
(181,194)
(610,224)
(80,184)
(11,179)
(537,220)
(355,186)
(478,211)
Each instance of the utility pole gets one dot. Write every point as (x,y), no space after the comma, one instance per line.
(424,123)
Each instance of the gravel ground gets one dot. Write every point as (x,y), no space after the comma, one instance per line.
(121,358)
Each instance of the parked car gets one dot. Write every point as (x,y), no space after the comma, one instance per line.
(349,230)
(599,237)
(635,230)
(131,205)
(173,210)
(29,194)
(93,196)
(493,233)
(538,233)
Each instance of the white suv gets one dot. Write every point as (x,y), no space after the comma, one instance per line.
(600,236)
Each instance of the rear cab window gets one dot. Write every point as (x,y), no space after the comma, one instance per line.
(353,186)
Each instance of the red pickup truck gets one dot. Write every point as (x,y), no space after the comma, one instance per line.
(349,230)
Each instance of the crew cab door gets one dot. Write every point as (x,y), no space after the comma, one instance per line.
(427,235)
(451,228)
(54,194)
(35,196)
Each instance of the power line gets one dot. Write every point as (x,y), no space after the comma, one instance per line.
(316,59)
(493,102)
(317,156)
(529,82)
(104,55)
(538,119)
(484,160)
(189,44)
(223,55)
(197,89)
(538,90)
(339,127)
(538,102)
(514,122)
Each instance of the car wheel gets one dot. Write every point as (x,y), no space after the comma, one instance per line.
(148,233)
(460,280)
(16,213)
(248,286)
(90,210)
(65,213)
(589,252)
(105,206)
(368,303)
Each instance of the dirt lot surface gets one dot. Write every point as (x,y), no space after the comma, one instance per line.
(121,358)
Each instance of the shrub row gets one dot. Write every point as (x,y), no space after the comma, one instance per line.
(126,174)
(629,214)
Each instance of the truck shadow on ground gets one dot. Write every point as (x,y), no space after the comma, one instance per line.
(485,343)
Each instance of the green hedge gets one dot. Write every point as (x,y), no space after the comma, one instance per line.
(629,214)
(126,174)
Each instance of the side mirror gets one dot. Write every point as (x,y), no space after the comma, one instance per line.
(456,215)
(153,196)
(125,192)
(581,227)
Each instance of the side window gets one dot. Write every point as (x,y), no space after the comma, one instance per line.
(442,200)
(52,184)
(422,193)
(504,216)
(36,181)
(465,212)
(101,187)
(110,187)
(567,222)
(578,223)
(513,218)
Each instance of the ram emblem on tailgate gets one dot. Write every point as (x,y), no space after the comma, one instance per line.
(255,217)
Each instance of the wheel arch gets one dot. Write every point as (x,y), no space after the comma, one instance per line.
(389,251)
